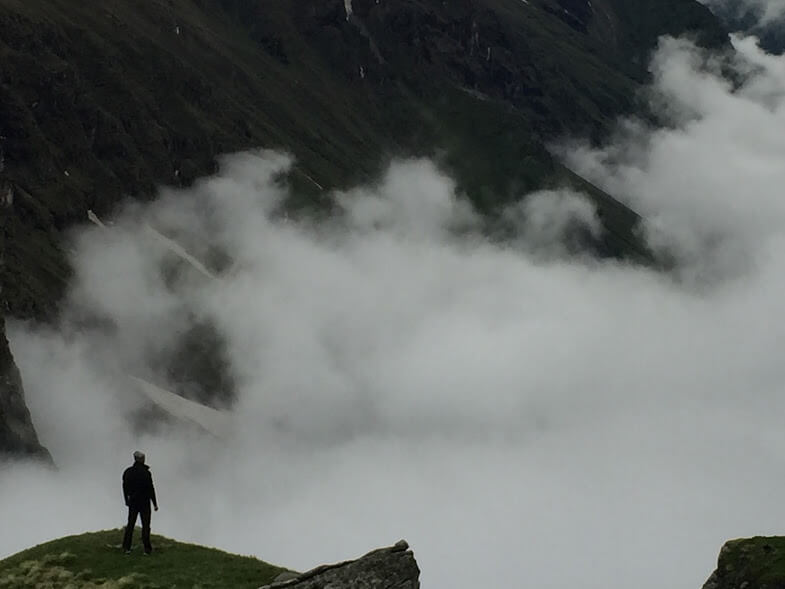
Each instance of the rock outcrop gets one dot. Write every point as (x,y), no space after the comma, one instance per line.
(17,434)
(386,568)
(751,563)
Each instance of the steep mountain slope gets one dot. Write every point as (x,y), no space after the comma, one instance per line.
(17,434)
(101,102)
(750,18)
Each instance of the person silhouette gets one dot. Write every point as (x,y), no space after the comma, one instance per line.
(138,492)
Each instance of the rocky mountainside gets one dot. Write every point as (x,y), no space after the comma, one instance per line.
(104,102)
(17,434)
(751,18)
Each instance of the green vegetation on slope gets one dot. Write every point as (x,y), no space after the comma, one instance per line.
(95,560)
(102,102)
(751,563)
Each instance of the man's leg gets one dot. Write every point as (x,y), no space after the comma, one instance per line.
(145,513)
(129,528)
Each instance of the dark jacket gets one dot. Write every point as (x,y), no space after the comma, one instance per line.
(138,487)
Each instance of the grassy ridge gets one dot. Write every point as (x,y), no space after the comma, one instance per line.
(96,560)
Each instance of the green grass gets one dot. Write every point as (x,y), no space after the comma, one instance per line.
(96,560)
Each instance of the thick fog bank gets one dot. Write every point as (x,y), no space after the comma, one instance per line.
(521,417)
(766,11)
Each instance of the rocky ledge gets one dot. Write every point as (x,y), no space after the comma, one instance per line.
(387,568)
(17,434)
(750,563)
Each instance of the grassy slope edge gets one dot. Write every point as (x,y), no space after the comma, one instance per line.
(95,560)
(752,563)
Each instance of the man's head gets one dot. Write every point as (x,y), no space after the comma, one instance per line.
(139,457)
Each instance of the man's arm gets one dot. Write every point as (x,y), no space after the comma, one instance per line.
(125,488)
(152,492)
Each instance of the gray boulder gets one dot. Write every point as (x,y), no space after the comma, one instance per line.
(386,568)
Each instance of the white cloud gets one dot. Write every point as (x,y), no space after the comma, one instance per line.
(706,186)
(522,419)
(767,11)
(554,222)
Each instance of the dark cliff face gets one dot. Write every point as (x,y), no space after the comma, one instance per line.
(568,65)
(104,102)
(17,434)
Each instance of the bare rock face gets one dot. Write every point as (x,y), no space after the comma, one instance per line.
(17,434)
(386,568)
(18,437)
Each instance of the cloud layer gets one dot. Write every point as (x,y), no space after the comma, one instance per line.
(767,11)
(521,417)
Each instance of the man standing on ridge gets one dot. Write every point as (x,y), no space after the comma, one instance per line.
(138,491)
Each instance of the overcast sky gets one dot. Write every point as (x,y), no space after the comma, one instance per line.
(520,417)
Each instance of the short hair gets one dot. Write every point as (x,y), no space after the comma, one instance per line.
(139,456)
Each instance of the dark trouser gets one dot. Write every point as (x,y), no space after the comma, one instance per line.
(133,512)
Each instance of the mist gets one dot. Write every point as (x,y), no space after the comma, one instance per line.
(767,11)
(523,417)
